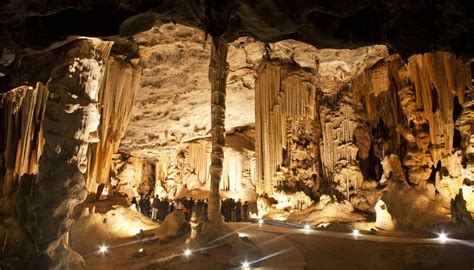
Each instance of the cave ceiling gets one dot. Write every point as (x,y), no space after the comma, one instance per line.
(172,102)
(406,27)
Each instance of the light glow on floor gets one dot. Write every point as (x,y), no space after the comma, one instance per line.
(187,252)
(103,249)
(443,237)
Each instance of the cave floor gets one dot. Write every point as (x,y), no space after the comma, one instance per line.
(293,248)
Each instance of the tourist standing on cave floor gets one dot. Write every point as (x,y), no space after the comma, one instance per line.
(154,208)
(245,209)
(179,205)
(135,204)
(238,211)
(143,205)
(163,209)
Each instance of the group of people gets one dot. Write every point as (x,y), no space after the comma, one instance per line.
(157,209)
(234,211)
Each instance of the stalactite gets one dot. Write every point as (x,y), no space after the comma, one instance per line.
(266,85)
(420,98)
(116,97)
(22,139)
(379,96)
(199,160)
(285,99)
(438,77)
(162,166)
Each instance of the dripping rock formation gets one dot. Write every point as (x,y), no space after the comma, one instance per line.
(348,115)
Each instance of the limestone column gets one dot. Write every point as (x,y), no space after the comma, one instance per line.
(218,71)
(71,120)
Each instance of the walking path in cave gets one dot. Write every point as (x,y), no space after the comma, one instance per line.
(312,249)
(291,247)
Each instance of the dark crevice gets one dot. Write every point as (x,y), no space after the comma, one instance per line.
(457,109)
(434,170)
(371,166)
(457,138)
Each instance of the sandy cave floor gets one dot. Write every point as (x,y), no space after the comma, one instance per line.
(293,248)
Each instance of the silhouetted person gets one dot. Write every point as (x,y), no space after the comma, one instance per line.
(205,208)
(143,206)
(135,204)
(238,211)
(148,206)
(155,208)
(223,208)
(233,208)
(245,209)
(163,209)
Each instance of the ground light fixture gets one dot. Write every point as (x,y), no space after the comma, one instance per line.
(187,252)
(245,265)
(443,237)
(103,249)
(307,227)
(355,232)
(260,221)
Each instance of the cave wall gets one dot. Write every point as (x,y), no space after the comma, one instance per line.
(393,120)
(178,171)
(286,130)
(419,122)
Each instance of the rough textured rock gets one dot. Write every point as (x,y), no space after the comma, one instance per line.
(172,103)
(404,26)
(71,118)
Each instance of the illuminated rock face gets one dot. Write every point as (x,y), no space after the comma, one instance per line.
(57,134)
(71,118)
(307,120)
(326,121)
(314,122)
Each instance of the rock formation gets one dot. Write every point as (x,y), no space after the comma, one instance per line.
(291,123)
(71,120)
(218,70)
